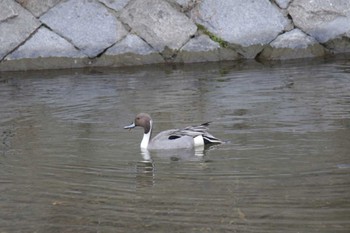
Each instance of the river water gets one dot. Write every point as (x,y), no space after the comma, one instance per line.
(67,164)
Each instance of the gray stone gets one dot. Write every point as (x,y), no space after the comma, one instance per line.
(131,44)
(283,3)
(295,39)
(45,63)
(203,49)
(323,20)
(132,50)
(38,7)
(116,5)
(45,43)
(7,11)
(184,3)
(200,43)
(159,24)
(339,45)
(86,24)
(241,22)
(17,27)
(292,45)
(77,30)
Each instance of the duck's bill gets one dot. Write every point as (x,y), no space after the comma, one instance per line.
(130,126)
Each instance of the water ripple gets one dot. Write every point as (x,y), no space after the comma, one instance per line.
(67,165)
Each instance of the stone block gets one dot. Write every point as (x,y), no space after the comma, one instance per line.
(200,43)
(184,3)
(291,45)
(131,44)
(203,49)
(132,50)
(244,23)
(44,63)
(7,11)
(45,43)
(87,24)
(283,3)
(158,23)
(339,45)
(116,5)
(16,26)
(323,20)
(38,7)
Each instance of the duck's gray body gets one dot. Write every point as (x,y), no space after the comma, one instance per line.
(186,138)
(163,141)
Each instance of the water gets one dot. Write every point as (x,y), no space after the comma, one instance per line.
(67,164)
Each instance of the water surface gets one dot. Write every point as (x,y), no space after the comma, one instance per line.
(67,164)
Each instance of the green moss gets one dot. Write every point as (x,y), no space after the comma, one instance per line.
(221,42)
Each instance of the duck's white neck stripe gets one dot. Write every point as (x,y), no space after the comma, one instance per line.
(146,138)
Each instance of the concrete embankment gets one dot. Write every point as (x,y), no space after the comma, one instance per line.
(52,34)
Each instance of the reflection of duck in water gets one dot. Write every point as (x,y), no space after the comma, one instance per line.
(145,173)
(187,138)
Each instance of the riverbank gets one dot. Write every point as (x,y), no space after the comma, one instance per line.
(56,34)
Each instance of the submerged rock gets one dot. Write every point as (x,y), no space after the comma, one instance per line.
(86,24)
(291,45)
(16,26)
(158,23)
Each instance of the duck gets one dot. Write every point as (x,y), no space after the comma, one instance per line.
(186,138)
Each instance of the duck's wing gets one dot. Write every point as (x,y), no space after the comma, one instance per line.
(194,131)
(165,135)
(168,140)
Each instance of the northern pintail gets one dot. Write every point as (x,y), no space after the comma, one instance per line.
(189,137)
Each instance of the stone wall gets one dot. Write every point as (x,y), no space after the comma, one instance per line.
(51,34)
